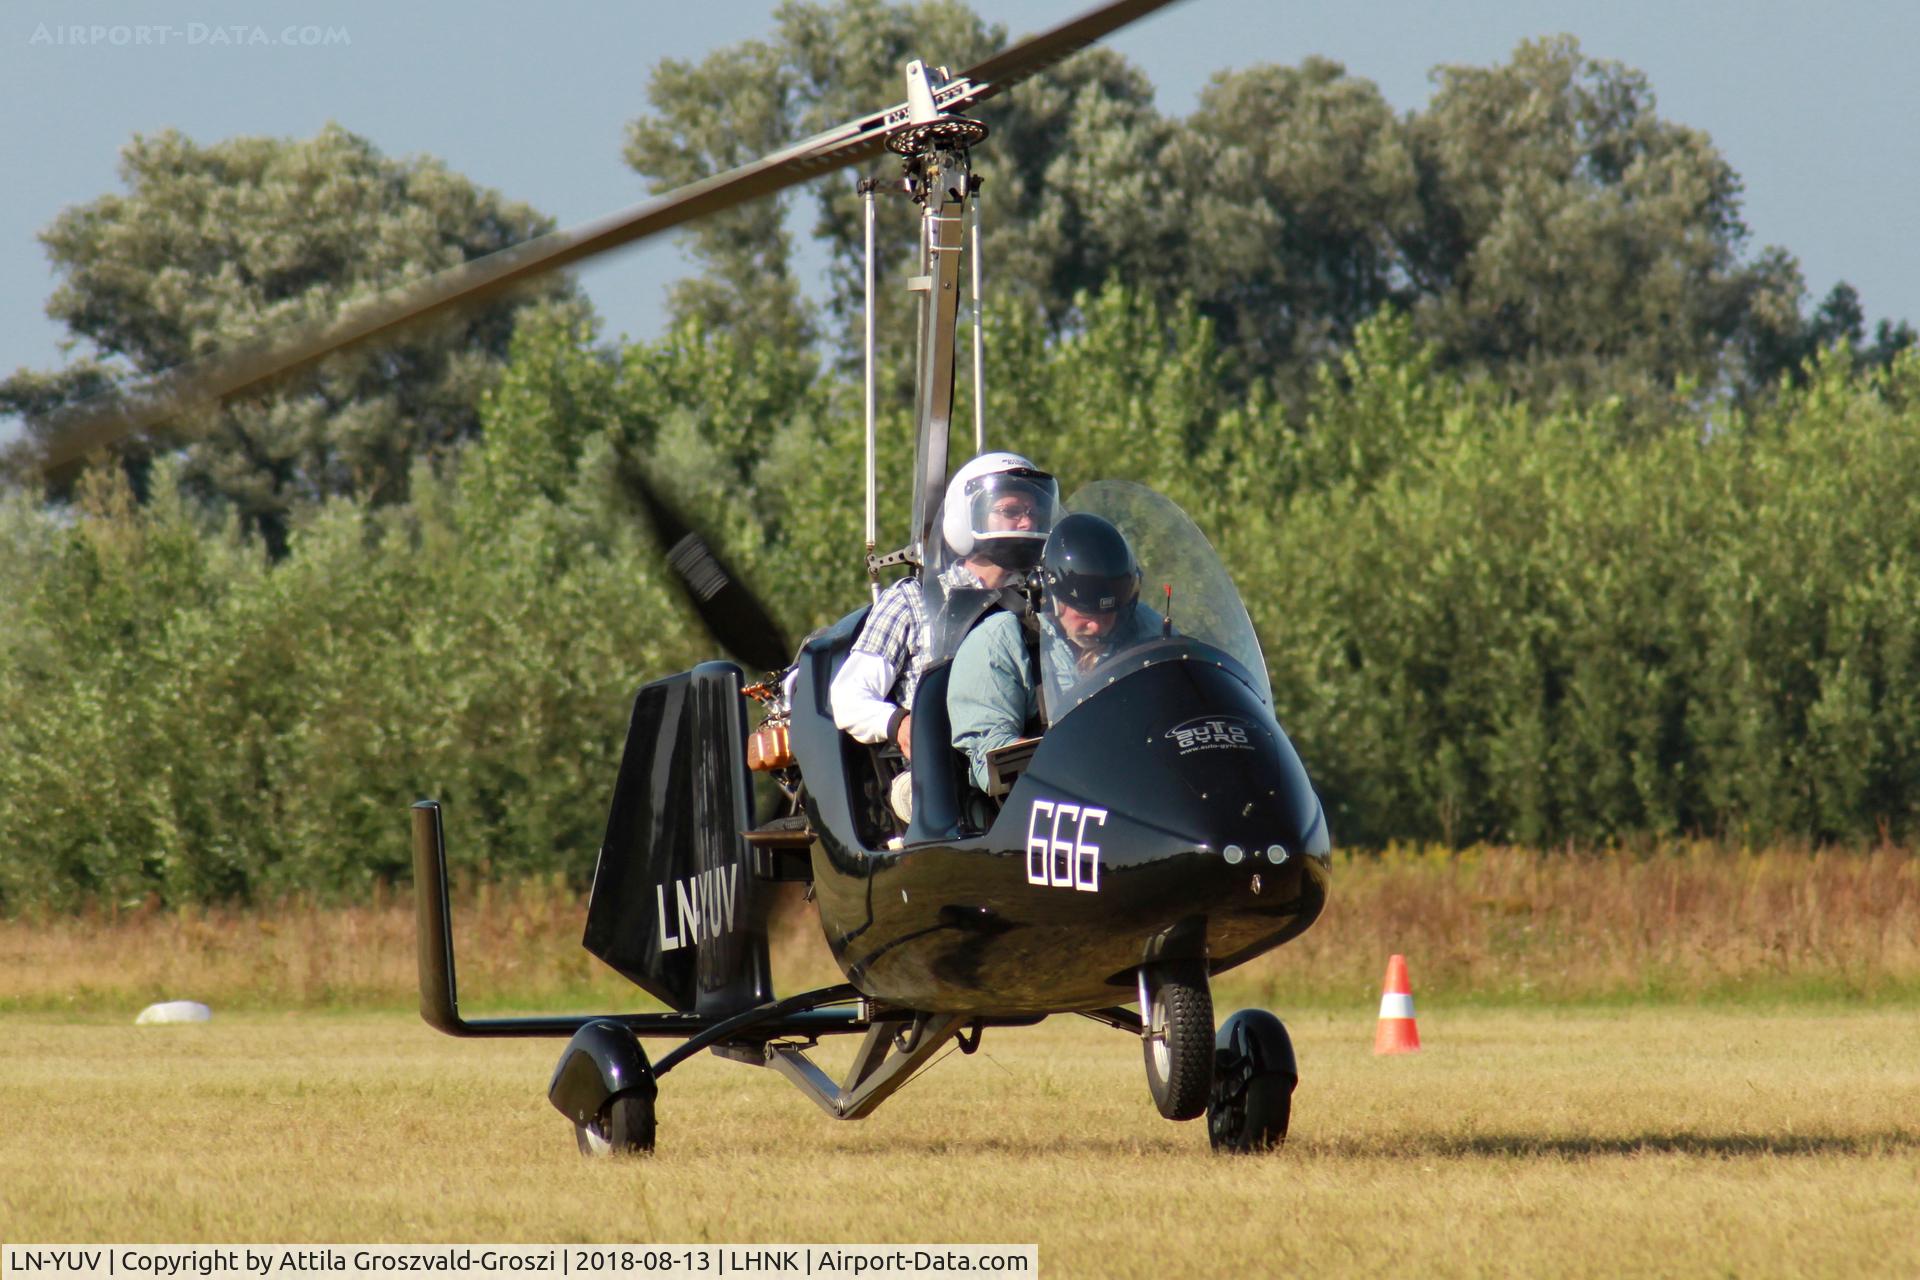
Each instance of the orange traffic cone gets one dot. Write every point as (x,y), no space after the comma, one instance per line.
(1397,1033)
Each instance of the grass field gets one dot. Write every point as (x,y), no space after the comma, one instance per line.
(1488,925)
(1595,1142)
(1700,1062)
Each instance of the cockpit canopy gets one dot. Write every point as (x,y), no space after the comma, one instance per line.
(1187,604)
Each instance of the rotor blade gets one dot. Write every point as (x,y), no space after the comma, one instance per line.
(71,434)
(733,615)
(76,432)
(1049,48)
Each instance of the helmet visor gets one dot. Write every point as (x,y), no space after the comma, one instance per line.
(1090,593)
(1010,514)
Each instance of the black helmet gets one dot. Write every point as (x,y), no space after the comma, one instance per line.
(1088,564)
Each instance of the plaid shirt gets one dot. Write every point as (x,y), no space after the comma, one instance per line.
(896,630)
(896,633)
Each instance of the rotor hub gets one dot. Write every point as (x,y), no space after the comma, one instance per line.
(956,133)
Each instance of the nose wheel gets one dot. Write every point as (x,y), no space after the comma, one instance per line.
(1254,1074)
(1177,1037)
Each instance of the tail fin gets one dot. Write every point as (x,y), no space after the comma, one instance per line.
(675,905)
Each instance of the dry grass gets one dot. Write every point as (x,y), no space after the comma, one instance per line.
(1492,924)
(521,940)
(1775,1131)
(1686,922)
(1676,1142)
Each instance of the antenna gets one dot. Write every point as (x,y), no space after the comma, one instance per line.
(873,512)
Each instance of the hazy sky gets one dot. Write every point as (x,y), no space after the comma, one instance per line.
(1813,105)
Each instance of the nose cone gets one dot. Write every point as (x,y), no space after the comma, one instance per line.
(1185,759)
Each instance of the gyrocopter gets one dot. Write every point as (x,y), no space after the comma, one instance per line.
(1156,828)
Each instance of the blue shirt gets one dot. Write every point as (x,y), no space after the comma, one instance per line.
(990,693)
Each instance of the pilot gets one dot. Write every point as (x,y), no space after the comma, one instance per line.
(999,508)
(1092,609)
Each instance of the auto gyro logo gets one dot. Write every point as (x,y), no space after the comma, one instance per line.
(1211,733)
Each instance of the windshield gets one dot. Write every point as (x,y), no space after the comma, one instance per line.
(1186,604)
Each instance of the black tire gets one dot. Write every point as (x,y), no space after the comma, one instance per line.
(1254,1074)
(1177,1039)
(623,1127)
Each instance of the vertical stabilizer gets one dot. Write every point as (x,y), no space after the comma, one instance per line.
(675,905)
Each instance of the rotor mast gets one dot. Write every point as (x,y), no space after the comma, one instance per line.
(934,145)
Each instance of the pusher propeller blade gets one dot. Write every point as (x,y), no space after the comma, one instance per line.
(734,616)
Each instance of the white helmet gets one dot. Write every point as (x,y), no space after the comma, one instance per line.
(972,495)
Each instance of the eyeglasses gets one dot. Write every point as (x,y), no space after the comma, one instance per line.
(1012,510)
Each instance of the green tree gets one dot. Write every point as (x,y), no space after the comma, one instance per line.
(1571,238)
(1072,194)
(1300,195)
(211,247)
(1839,319)
(733,107)
(1538,219)
(1484,619)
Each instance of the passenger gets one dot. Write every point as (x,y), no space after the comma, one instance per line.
(998,510)
(1091,610)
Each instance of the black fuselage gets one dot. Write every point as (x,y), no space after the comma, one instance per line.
(1165,818)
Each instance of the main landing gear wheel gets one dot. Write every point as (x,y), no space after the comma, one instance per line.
(623,1127)
(1254,1075)
(1178,1038)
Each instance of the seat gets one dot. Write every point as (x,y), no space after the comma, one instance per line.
(838,769)
(940,785)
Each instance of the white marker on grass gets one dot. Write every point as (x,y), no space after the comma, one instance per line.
(174,1011)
